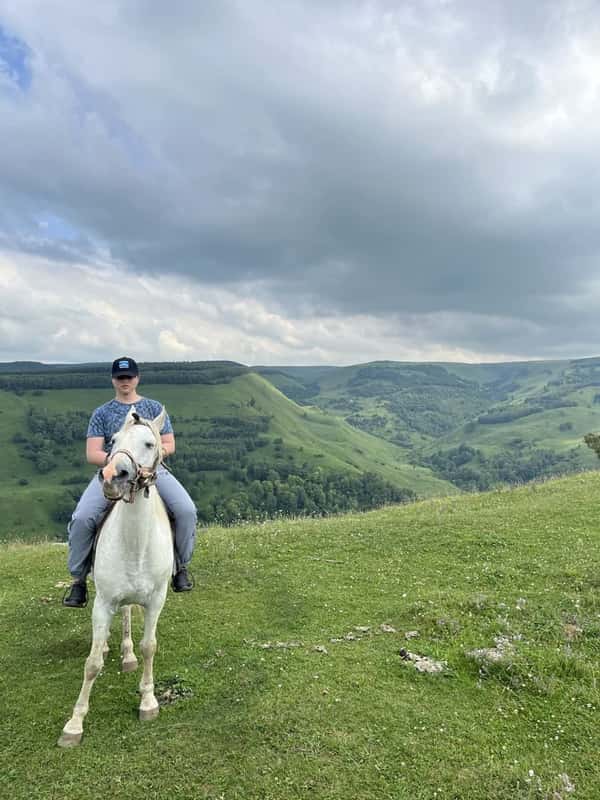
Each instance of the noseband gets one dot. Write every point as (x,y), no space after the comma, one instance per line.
(145,477)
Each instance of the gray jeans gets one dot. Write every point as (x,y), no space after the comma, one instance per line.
(93,505)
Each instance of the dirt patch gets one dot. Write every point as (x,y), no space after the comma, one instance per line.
(170,690)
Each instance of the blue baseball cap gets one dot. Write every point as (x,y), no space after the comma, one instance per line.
(125,366)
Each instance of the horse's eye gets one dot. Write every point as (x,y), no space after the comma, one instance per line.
(149,444)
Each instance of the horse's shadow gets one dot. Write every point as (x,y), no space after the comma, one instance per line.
(73,647)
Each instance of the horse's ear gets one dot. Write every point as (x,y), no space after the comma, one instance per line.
(159,421)
(132,416)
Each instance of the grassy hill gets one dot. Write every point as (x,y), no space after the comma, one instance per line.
(279,436)
(292,440)
(520,420)
(294,688)
(406,403)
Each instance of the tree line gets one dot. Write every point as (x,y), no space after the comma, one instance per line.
(48,433)
(305,491)
(97,376)
(471,469)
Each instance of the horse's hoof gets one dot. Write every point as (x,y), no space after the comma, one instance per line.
(146,714)
(129,666)
(69,739)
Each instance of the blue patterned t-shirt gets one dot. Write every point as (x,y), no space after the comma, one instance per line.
(107,419)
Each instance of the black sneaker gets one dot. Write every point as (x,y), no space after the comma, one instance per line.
(78,596)
(181,581)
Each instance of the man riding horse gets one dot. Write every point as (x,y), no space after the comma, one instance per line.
(93,505)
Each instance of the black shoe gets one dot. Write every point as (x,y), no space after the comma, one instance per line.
(78,596)
(181,581)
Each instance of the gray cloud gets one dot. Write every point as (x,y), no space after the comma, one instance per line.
(427,167)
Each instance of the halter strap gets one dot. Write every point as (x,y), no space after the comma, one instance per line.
(145,477)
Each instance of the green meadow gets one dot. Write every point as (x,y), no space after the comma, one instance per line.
(285,666)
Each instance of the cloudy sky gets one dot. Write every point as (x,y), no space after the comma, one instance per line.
(299,182)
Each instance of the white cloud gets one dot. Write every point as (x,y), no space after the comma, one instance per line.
(170,348)
(52,312)
(332,182)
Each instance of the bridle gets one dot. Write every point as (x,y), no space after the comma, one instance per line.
(145,477)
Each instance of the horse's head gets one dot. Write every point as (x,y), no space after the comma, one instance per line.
(134,457)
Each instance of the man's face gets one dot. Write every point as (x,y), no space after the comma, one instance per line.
(125,384)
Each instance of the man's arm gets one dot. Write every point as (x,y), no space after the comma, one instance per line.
(94,451)
(168,444)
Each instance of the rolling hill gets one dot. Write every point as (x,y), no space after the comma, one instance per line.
(512,422)
(242,446)
(257,442)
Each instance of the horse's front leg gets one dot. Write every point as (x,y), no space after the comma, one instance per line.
(149,703)
(129,662)
(101,619)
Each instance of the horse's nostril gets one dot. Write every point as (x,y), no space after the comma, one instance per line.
(123,473)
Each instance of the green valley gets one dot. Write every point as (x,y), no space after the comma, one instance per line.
(244,450)
(253,443)
(476,425)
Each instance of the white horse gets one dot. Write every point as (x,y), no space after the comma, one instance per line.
(133,564)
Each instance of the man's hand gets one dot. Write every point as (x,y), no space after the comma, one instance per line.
(108,472)
(167,441)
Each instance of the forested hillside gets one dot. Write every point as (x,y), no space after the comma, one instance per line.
(244,450)
(476,425)
(253,443)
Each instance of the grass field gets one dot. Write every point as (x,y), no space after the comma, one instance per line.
(270,716)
